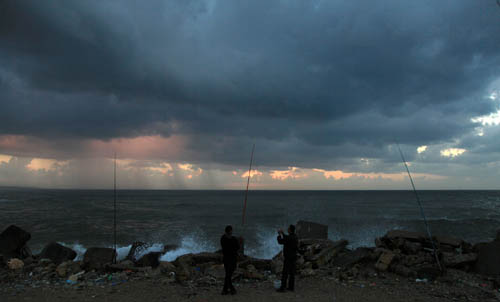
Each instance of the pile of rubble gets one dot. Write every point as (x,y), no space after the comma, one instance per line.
(409,254)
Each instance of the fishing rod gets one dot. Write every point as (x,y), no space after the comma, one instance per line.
(114,209)
(421,209)
(246,192)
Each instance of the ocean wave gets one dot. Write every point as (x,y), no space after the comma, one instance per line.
(266,246)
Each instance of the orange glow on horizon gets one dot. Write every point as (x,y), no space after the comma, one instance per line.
(252,174)
(292,173)
(339,174)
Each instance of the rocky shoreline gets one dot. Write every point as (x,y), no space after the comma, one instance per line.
(399,257)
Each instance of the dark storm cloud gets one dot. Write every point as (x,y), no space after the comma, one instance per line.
(329,79)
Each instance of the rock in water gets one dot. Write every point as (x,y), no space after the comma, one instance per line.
(57,253)
(137,248)
(12,240)
(98,257)
(311,230)
(150,259)
(487,259)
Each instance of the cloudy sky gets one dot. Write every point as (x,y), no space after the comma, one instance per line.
(181,90)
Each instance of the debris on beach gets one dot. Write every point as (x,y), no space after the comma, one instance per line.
(398,254)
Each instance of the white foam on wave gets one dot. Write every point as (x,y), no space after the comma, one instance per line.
(190,244)
(267,245)
(77,247)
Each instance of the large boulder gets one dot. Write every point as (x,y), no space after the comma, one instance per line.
(361,254)
(12,241)
(57,253)
(460,260)
(453,242)
(201,258)
(488,259)
(136,249)
(326,255)
(384,261)
(407,235)
(151,259)
(311,230)
(98,257)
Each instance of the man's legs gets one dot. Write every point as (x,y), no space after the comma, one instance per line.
(231,287)
(284,276)
(228,283)
(227,279)
(291,271)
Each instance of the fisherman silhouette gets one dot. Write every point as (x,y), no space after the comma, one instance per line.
(290,245)
(230,247)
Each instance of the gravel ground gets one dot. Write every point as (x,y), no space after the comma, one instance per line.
(387,287)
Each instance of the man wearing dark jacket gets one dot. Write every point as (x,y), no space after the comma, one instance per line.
(230,247)
(290,246)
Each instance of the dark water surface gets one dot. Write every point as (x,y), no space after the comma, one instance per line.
(194,220)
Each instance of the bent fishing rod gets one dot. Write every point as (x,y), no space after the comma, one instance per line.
(421,209)
(246,192)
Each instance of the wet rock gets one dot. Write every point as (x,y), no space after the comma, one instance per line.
(487,259)
(12,240)
(327,254)
(26,252)
(97,258)
(151,259)
(350,258)
(136,249)
(169,247)
(57,253)
(407,235)
(384,261)
(307,229)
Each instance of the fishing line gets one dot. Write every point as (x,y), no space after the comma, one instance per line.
(114,210)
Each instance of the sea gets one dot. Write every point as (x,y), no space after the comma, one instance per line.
(194,220)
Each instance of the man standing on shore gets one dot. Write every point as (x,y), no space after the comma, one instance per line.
(290,246)
(230,247)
